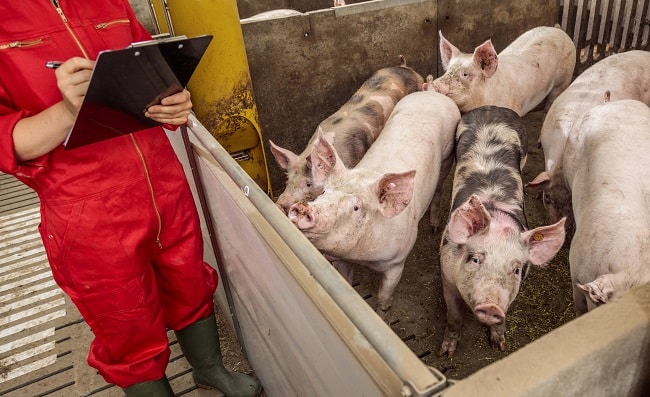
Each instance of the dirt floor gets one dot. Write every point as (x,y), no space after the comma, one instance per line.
(418,315)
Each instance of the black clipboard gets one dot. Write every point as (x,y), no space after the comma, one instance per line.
(125,82)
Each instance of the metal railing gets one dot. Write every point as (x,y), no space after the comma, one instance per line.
(600,28)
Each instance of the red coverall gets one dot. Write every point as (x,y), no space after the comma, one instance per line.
(118,220)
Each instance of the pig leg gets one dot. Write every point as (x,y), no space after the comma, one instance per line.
(434,207)
(555,92)
(387,285)
(579,300)
(454,320)
(345,269)
(498,335)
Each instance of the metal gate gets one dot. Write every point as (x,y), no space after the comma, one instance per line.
(603,27)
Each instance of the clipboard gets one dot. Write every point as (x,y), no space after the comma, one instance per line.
(125,82)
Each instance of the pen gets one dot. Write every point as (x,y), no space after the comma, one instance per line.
(53,64)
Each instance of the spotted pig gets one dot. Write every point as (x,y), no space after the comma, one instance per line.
(487,247)
(351,130)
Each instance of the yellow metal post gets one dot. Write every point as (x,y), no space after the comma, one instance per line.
(221,87)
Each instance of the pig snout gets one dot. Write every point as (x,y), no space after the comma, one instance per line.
(489,314)
(440,87)
(301,215)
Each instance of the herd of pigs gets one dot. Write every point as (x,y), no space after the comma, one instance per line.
(374,168)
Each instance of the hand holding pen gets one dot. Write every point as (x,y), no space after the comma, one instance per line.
(72,78)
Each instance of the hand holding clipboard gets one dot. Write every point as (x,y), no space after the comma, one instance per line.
(125,82)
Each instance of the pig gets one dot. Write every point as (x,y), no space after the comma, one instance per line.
(272,14)
(368,215)
(351,129)
(609,252)
(619,76)
(487,248)
(338,3)
(538,64)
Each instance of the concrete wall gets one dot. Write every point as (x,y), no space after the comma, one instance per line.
(305,67)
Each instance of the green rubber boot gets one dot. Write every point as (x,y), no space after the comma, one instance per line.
(200,344)
(154,388)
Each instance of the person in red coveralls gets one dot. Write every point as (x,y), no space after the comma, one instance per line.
(118,220)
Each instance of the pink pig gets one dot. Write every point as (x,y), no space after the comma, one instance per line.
(619,76)
(538,64)
(369,215)
(610,188)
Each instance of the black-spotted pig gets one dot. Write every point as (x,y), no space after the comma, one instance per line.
(486,247)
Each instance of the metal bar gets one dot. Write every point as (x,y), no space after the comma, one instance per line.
(214,241)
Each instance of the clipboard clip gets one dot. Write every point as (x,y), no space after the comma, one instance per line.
(162,39)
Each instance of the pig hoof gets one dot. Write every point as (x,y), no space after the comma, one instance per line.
(498,341)
(384,314)
(448,348)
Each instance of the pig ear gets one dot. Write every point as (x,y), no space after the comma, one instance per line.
(485,58)
(467,220)
(324,159)
(395,192)
(600,290)
(284,157)
(544,242)
(542,180)
(447,51)
(428,84)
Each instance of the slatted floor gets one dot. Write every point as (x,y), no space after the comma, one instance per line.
(43,339)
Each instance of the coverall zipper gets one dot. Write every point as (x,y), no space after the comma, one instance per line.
(67,26)
(135,144)
(104,25)
(153,197)
(19,44)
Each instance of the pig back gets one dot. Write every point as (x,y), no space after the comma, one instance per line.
(418,135)
(611,194)
(351,130)
(619,76)
(491,142)
(538,64)
(609,155)
(358,123)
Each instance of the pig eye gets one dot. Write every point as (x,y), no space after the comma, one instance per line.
(355,208)
(475,259)
(464,74)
